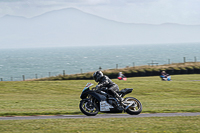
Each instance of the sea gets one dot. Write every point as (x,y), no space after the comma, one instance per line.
(31,63)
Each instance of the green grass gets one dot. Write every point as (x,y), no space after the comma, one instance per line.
(62,97)
(189,124)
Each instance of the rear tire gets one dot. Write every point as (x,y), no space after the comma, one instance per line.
(134,109)
(88,108)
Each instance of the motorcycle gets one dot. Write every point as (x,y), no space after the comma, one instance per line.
(122,78)
(166,78)
(100,100)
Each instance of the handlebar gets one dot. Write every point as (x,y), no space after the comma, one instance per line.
(94,88)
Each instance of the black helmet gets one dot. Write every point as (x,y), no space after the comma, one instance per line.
(97,75)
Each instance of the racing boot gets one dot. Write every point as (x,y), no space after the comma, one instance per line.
(119,99)
(120,104)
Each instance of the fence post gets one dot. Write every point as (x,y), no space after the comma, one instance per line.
(23,77)
(168,61)
(195,59)
(184,59)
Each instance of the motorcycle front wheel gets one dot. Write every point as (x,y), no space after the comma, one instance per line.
(88,108)
(136,108)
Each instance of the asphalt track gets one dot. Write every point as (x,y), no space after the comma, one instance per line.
(99,116)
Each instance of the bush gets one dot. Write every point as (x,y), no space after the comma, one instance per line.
(190,70)
(170,70)
(141,72)
(149,71)
(88,76)
(156,71)
(127,73)
(177,70)
(72,77)
(66,77)
(183,70)
(134,73)
(162,69)
(196,69)
(111,74)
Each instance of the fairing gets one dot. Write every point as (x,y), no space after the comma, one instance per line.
(87,92)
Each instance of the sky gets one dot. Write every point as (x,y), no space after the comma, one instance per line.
(128,11)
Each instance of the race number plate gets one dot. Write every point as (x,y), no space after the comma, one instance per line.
(104,106)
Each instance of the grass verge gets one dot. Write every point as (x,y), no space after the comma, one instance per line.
(177,124)
(62,97)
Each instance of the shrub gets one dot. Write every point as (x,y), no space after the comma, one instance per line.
(177,68)
(127,73)
(149,71)
(183,70)
(134,73)
(196,69)
(111,74)
(66,77)
(170,70)
(79,76)
(156,71)
(190,69)
(141,72)
(88,76)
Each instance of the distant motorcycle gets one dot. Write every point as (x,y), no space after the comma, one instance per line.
(120,78)
(99,100)
(166,77)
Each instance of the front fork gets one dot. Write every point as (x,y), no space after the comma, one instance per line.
(130,103)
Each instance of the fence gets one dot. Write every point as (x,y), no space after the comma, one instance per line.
(100,68)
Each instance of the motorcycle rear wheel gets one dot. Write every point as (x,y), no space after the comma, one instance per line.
(88,108)
(134,109)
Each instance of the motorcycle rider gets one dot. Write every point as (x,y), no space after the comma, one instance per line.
(105,81)
(165,76)
(121,76)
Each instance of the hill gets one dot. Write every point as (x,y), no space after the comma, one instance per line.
(73,27)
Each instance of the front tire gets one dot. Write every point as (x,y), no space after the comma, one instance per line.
(136,108)
(88,108)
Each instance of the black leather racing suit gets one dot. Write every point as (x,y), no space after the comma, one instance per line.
(107,82)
